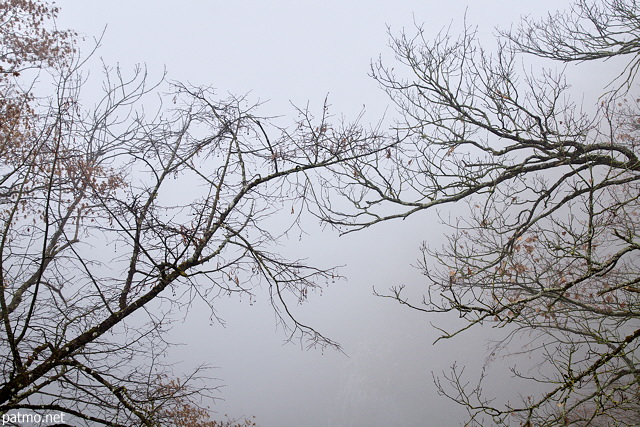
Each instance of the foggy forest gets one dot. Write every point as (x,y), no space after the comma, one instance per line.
(286,214)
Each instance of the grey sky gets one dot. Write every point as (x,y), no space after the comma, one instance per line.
(299,51)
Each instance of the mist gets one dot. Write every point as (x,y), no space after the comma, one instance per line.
(287,53)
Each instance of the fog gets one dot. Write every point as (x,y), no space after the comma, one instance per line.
(294,52)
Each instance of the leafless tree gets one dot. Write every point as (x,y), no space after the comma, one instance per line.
(545,237)
(114,221)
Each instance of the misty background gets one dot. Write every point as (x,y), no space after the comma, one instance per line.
(287,53)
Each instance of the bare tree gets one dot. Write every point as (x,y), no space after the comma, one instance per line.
(114,222)
(545,239)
